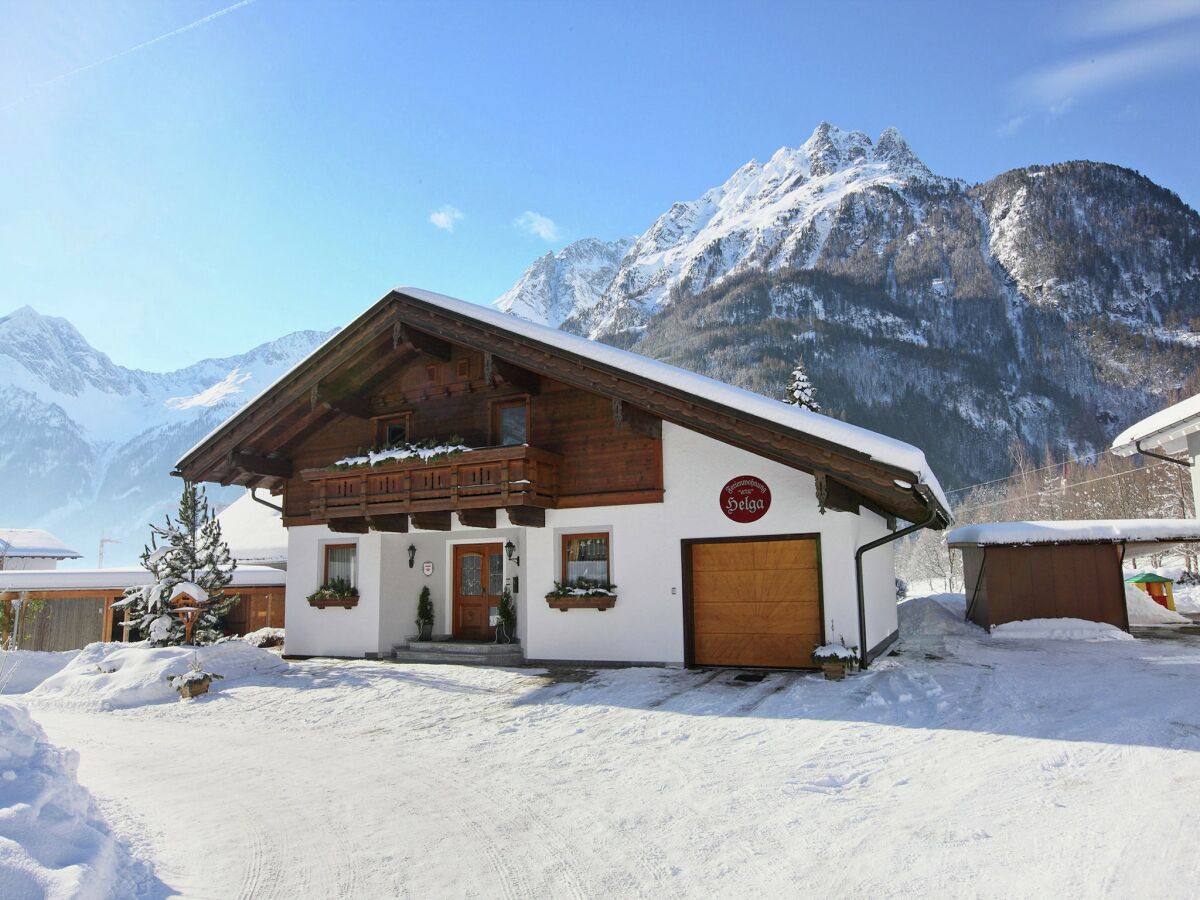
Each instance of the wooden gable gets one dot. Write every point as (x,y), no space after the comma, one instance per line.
(443,369)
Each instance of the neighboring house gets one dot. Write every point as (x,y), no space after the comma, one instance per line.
(79,608)
(1172,434)
(32,548)
(253,529)
(729,522)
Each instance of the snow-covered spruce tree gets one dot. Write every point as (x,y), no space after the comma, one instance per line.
(800,391)
(186,550)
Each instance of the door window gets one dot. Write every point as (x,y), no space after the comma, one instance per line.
(470,575)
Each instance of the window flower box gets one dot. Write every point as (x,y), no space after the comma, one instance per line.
(334,593)
(582,594)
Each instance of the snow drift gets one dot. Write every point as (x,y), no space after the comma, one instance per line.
(1145,611)
(53,841)
(116,676)
(1060,630)
(23,670)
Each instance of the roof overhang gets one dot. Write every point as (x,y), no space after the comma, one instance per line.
(901,486)
(1135,534)
(1165,432)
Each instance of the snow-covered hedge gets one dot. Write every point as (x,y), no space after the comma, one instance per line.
(115,676)
(53,841)
(264,637)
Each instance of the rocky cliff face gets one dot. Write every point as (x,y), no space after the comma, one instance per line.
(1049,305)
(86,446)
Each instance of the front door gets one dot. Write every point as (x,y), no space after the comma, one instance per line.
(478,581)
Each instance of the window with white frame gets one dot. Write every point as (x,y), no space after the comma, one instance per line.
(340,563)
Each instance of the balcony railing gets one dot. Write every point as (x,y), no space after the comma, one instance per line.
(494,477)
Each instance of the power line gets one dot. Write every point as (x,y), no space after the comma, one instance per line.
(1073,459)
(1055,491)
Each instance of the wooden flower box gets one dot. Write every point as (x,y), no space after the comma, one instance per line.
(324,602)
(834,671)
(562,603)
(190,689)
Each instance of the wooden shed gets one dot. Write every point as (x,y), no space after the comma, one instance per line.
(1052,570)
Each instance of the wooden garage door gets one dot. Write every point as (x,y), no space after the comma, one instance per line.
(755,603)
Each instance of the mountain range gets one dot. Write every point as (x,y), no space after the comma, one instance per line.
(86,446)
(1049,306)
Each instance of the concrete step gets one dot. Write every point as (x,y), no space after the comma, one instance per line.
(466,648)
(511,658)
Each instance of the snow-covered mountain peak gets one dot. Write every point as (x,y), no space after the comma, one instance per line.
(560,284)
(54,353)
(765,216)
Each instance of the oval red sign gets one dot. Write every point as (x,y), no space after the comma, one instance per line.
(745,498)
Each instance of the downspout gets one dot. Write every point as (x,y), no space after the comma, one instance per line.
(858,570)
(266,503)
(1186,463)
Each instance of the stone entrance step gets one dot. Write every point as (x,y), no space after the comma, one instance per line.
(461,653)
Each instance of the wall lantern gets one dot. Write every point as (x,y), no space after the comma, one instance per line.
(412,554)
(510,548)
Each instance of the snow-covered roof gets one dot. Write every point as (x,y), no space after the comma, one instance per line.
(1099,531)
(877,447)
(194,591)
(119,578)
(1166,431)
(33,542)
(254,532)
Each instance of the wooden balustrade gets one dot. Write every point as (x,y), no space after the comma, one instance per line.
(493,477)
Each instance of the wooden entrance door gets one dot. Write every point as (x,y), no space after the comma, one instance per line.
(478,582)
(754,603)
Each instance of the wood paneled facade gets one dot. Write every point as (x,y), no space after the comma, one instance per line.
(1044,581)
(70,619)
(593,452)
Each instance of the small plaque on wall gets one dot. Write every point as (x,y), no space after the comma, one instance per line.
(427,568)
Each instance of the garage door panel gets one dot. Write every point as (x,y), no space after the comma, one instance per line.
(724,557)
(755,603)
(772,555)
(726,617)
(765,650)
(755,587)
(786,587)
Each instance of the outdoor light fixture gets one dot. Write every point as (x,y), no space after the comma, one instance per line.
(510,548)
(412,554)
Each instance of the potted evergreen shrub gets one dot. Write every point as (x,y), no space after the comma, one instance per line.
(836,660)
(193,682)
(424,620)
(506,631)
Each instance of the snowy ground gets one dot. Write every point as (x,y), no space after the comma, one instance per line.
(964,766)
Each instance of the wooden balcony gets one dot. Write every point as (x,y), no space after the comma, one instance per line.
(491,478)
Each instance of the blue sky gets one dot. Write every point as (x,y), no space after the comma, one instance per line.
(188,179)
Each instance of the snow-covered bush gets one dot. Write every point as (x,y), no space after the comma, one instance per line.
(264,637)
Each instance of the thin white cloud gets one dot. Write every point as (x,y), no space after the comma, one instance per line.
(446,217)
(204,20)
(537,225)
(1062,84)
(1121,17)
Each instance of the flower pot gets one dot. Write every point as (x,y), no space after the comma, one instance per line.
(834,671)
(426,632)
(190,689)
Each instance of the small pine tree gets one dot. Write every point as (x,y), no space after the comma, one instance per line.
(800,391)
(188,549)
(424,613)
(508,617)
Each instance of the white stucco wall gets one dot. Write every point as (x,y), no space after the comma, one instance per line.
(27,563)
(646,625)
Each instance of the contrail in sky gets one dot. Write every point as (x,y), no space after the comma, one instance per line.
(142,46)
